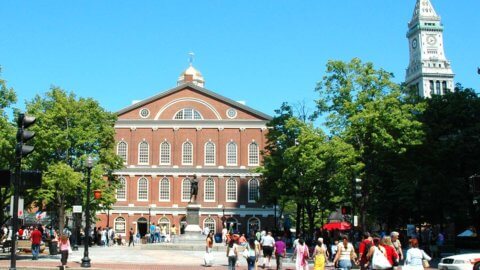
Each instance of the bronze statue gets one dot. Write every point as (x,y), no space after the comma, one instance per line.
(193,188)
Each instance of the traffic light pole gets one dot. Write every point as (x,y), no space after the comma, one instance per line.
(18,171)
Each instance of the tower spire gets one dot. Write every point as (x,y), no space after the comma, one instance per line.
(424,10)
(191,57)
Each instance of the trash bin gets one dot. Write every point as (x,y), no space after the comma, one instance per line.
(218,238)
(144,240)
(53,247)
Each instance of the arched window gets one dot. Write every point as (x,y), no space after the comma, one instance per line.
(122,189)
(119,225)
(232,154)
(188,114)
(210,223)
(122,148)
(253,225)
(142,189)
(209,153)
(186,190)
(143,153)
(187,153)
(253,190)
(209,193)
(253,154)
(164,190)
(231,190)
(165,153)
(164,222)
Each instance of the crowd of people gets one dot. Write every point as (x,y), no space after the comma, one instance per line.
(375,252)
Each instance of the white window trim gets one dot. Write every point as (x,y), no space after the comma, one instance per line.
(183,149)
(236,190)
(160,193)
(138,190)
(169,153)
(148,152)
(214,154)
(125,187)
(181,189)
(258,155)
(115,225)
(205,190)
(248,190)
(214,223)
(236,154)
(125,161)
(183,116)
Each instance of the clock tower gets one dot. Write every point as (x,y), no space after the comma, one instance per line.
(429,71)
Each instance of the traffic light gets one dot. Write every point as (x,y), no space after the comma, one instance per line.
(346,210)
(358,188)
(31,180)
(5,178)
(24,135)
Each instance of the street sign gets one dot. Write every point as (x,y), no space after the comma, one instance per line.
(77,209)
(20,207)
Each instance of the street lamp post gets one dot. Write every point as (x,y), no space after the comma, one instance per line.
(86,259)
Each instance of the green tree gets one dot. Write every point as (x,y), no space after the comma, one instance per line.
(7,140)
(370,112)
(69,129)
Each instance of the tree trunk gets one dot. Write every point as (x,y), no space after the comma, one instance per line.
(61,214)
(298,219)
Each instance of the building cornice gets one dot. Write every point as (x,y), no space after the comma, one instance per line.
(198,124)
(202,172)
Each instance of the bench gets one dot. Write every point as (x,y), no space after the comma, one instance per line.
(6,245)
(24,246)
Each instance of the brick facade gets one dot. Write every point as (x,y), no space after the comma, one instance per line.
(210,118)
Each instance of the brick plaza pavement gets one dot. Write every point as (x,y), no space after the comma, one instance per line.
(130,258)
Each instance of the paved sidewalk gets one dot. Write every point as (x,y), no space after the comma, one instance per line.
(131,258)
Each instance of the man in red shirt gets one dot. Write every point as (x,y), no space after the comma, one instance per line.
(363,248)
(36,238)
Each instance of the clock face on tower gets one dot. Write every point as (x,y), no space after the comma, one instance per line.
(431,40)
(414,43)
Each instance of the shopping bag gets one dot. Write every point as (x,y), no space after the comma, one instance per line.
(208,259)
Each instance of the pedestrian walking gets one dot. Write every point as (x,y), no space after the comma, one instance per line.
(130,237)
(320,255)
(208,250)
(378,256)
(392,254)
(280,251)
(345,255)
(397,245)
(267,243)
(232,254)
(65,249)
(363,248)
(301,255)
(251,253)
(173,233)
(36,239)
(416,259)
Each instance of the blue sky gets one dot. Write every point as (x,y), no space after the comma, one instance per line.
(262,52)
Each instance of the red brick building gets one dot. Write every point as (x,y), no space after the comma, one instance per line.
(186,131)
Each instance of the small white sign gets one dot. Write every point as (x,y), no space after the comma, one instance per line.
(355,221)
(20,207)
(77,209)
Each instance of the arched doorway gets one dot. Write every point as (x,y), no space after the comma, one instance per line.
(183,224)
(253,225)
(142,225)
(232,225)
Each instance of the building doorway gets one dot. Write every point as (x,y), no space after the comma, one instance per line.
(142,224)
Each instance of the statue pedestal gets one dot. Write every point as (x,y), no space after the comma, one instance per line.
(193,232)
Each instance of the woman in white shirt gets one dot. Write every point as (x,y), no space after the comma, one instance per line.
(345,255)
(232,254)
(415,256)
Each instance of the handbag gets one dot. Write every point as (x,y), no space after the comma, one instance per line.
(425,264)
(379,261)
(246,253)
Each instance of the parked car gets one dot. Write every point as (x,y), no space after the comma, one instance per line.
(469,261)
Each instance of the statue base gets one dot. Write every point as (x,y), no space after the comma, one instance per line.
(193,232)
